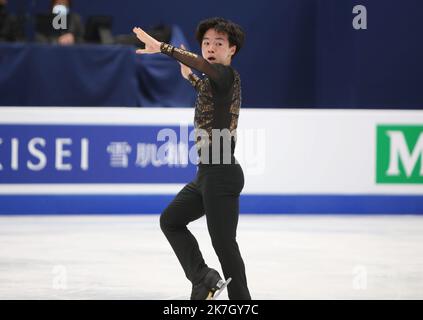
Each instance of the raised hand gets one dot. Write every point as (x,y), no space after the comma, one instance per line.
(151,44)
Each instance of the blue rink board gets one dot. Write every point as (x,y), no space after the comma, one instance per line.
(261,204)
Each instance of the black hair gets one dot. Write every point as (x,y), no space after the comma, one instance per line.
(235,33)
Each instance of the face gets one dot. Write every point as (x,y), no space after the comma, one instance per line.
(215,47)
(62,2)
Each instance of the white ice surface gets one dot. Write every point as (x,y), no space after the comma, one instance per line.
(286,257)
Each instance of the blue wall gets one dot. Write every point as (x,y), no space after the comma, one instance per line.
(299,53)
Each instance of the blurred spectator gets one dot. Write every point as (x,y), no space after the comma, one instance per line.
(10,29)
(98,29)
(161,32)
(74,31)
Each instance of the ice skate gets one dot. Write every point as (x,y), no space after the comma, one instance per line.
(222,284)
(210,287)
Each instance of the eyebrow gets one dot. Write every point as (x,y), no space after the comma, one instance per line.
(205,38)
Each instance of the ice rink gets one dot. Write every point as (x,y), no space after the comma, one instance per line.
(286,257)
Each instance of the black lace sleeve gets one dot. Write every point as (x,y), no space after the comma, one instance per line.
(194,80)
(217,73)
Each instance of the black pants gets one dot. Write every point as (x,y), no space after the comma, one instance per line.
(215,193)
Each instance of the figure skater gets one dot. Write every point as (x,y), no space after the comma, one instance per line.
(219,180)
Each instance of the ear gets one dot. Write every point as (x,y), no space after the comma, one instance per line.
(232,50)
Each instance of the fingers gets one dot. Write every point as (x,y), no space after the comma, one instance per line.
(141,34)
(138,30)
(141,51)
(135,30)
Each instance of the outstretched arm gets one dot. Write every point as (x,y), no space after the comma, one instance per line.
(188,74)
(187,58)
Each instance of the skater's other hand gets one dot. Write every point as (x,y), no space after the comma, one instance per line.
(186,71)
(151,44)
(66,39)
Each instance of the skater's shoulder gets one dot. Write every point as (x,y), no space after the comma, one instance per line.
(226,75)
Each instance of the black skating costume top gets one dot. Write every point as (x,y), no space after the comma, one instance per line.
(217,106)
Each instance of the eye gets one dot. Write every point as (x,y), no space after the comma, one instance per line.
(219,44)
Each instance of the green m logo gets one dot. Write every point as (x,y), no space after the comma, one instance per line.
(399,154)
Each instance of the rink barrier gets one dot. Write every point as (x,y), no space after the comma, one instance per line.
(249,204)
(134,160)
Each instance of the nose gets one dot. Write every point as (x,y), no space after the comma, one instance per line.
(211,48)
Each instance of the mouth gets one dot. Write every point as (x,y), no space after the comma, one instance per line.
(211,59)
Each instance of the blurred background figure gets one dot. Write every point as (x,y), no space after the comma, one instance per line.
(11,28)
(72,34)
(98,29)
(162,32)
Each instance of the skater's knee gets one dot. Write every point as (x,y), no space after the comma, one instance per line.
(167,222)
(164,223)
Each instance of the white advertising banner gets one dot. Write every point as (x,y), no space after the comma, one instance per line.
(284,152)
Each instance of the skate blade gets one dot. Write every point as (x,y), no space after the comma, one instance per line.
(210,296)
(218,292)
